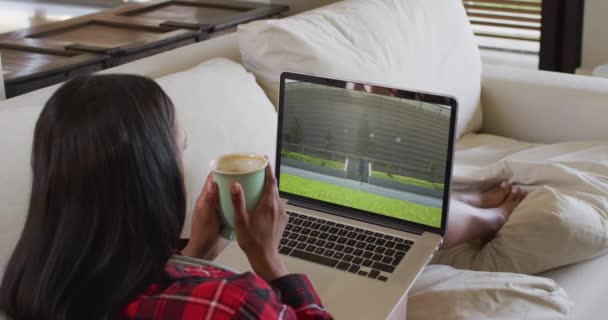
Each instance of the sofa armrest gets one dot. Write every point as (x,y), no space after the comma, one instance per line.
(544,107)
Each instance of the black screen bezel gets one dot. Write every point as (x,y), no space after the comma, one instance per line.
(347,211)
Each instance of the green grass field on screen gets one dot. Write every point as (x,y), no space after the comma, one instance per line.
(361,200)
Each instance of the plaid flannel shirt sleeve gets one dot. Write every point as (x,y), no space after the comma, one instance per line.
(288,297)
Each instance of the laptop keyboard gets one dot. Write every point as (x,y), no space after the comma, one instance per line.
(343,247)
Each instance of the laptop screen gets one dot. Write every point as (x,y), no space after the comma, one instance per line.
(379,150)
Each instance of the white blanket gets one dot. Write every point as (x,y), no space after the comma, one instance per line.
(564,219)
(445,293)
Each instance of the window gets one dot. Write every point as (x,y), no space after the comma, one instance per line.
(530,33)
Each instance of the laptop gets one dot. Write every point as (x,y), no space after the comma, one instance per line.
(364,171)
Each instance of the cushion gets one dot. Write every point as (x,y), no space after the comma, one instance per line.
(414,44)
(445,293)
(223,110)
(564,219)
(15,173)
(218,103)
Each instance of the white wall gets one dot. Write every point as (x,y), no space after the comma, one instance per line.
(595,39)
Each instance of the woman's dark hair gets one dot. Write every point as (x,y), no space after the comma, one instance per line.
(107,202)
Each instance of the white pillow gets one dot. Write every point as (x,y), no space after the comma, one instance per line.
(564,220)
(223,110)
(449,294)
(413,44)
(15,174)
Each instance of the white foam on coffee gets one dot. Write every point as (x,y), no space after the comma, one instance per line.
(240,163)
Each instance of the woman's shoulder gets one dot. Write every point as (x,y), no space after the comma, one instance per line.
(193,290)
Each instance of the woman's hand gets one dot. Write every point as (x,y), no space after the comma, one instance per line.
(259,232)
(205,240)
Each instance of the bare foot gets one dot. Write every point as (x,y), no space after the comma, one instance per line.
(490,198)
(498,216)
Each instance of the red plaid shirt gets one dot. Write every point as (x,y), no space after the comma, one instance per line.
(205,292)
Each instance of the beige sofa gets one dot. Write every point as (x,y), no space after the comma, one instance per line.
(526,105)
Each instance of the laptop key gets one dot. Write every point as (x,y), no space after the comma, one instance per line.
(369,232)
(343,265)
(380,250)
(354,268)
(361,245)
(324,235)
(296,229)
(373,274)
(357,252)
(359,230)
(286,234)
(285,250)
(398,239)
(315,226)
(390,252)
(330,245)
(371,239)
(363,273)
(377,257)
(338,255)
(306,224)
(370,247)
(292,244)
(297,222)
(320,251)
(378,235)
(311,240)
(339,247)
(306,231)
(333,230)
(302,238)
(342,240)
(310,248)
(387,237)
(339,225)
(351,242)
(348,258)
(398,257)
(367,263)
(387,259)
(357,260)
(367,254)
(361,237)
(321,242)
(390,244)
(301,246)
(329,253)
(333,238)
(382,278)
(330,223)
(288,227)
(293,236)
(352,235)
(314,258)
(315,233)
(409,242)
(324,228)
(348,250)
(349,228)
(383,267)
(380,242)
(313,219)
(283,241)
(402,247)
(342,232)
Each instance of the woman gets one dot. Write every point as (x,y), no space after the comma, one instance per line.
(106,210)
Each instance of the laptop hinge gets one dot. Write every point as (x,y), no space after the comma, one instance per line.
(356,216)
